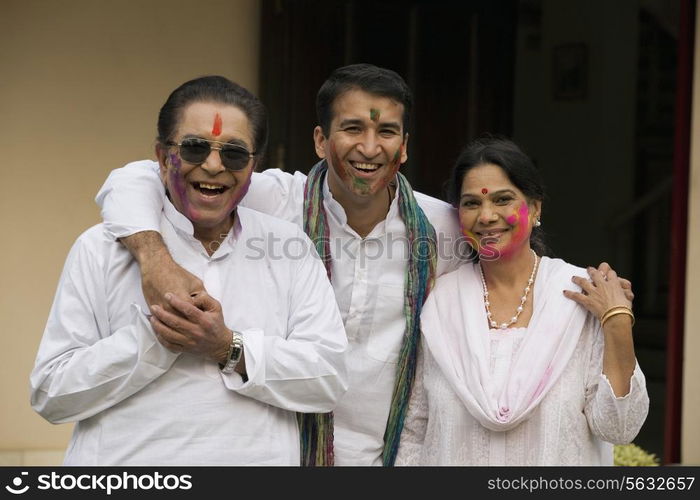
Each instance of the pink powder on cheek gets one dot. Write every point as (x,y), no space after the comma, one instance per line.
(520,232)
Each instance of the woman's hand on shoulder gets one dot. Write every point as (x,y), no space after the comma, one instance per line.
(602,291)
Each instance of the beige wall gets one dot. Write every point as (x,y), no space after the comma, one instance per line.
(81,82)
(690,437)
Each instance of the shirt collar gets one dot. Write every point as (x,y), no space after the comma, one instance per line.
(336,212)
(184,228)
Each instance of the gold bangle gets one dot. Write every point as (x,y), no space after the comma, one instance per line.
(610,309)
(614,311)
(613,308)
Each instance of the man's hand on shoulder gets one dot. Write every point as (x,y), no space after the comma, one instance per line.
(160,274)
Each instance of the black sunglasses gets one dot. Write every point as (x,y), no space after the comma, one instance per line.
(196,150)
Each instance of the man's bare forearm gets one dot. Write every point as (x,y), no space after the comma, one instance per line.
(160,274)
(146,247)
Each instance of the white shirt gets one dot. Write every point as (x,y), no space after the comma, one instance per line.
(367,276)
(136,403)
(574,423)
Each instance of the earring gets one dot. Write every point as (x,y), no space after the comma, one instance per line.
(537,222)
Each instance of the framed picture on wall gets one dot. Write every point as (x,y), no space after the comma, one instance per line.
(570,71)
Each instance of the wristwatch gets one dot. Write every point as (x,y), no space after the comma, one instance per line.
(235,351)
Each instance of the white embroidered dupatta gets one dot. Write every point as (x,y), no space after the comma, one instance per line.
(456,331)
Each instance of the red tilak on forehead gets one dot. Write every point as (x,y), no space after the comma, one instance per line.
(216,129)
(484,191)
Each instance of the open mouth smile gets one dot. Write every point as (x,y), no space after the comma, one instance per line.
(365,167)
(491,233)
(208,189)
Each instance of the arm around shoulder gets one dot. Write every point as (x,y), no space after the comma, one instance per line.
(131,199)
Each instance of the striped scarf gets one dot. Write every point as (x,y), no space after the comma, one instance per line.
(420,274)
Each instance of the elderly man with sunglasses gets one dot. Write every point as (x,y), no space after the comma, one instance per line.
(228,381)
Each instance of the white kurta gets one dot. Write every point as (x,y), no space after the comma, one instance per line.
(574,423)
(136,403)
(367,276)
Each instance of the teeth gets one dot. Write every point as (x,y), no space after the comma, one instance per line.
(366,166)
(209,186)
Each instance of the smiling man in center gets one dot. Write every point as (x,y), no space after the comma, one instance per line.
(364,146)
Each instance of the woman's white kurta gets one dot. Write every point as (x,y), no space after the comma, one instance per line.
(575,418)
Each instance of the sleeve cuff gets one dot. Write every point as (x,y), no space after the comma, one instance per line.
(116,231)
(635,376)
(254,353)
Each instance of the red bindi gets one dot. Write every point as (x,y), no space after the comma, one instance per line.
(484,191)
(216,129)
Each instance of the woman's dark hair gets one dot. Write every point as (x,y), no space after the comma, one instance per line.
(219,90)
(368,78)
(518,167)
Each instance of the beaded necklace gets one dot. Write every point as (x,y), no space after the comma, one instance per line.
(523,298)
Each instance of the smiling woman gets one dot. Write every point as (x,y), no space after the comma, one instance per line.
(500,220)
(511,370)
(498,184)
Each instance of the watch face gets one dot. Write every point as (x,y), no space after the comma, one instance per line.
(237,349)
(236,353)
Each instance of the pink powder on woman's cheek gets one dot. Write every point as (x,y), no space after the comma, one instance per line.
(518,223)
